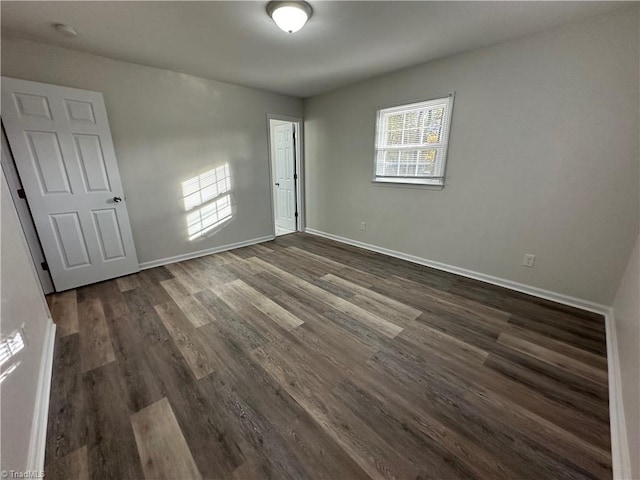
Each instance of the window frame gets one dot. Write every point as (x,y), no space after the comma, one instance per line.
(408,181)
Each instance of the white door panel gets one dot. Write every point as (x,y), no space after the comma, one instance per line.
(26,220)
(70,239)
(109,234)
(78,111)
(63,150)
(94,171)
(285,182)
(32,105)
(46,157)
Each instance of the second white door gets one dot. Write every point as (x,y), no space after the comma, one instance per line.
(285,181)
(61,143)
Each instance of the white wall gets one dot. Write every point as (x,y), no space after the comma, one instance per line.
(22,302)
(543,159)
(626,309)
(167,128)
(626,314)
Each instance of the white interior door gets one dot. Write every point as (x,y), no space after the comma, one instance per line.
(62,146)
(285,182)
(24,215)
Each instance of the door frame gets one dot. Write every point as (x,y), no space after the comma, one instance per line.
(298,124)
(21,205)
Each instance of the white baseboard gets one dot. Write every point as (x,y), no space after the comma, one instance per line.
(501,282)
(38,439)
(620,454)
(619,442)
(202,253)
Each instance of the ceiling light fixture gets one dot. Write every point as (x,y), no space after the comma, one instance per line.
(289,16)
(66,30)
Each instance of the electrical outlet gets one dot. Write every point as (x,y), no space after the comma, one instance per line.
(363,226)
(528,260)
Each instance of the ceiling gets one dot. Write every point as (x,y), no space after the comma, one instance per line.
(343,42)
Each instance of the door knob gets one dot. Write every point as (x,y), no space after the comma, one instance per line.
(117,199)
(277,184)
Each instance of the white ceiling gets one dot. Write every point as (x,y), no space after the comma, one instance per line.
(343,42)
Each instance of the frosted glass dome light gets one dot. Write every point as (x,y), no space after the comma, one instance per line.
(289,16)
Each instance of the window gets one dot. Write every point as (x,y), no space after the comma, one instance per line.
(411,142)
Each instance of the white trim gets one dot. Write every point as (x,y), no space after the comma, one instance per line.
(300,197)
(444,145)
(619,442)
(620,454)
(501,282)
(202,253)
(38,439)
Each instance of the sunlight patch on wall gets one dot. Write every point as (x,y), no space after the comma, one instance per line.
(209,217)
(205,187)
(4,375)
(207,200)
(9,347)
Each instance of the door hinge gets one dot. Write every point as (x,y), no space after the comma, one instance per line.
(21,193)
(45,266)
(296,214)
(295,176)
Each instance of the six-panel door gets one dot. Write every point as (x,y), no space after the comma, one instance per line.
(285,182)
(62,146)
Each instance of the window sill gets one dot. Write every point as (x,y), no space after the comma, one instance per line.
(404,184)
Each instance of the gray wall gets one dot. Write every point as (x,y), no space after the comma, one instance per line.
(22,303)
(168,127)
(543,159)
(626,309)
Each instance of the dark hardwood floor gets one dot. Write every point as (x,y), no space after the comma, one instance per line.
(304,358)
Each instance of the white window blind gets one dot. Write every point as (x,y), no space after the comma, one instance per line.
(411,142)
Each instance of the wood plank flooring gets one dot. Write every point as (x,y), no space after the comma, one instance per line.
(303,358)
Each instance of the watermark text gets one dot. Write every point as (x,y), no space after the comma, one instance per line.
(21,474)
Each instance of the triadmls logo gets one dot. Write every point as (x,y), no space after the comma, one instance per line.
(21,474)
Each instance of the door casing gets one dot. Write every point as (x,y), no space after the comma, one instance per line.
(299,161)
